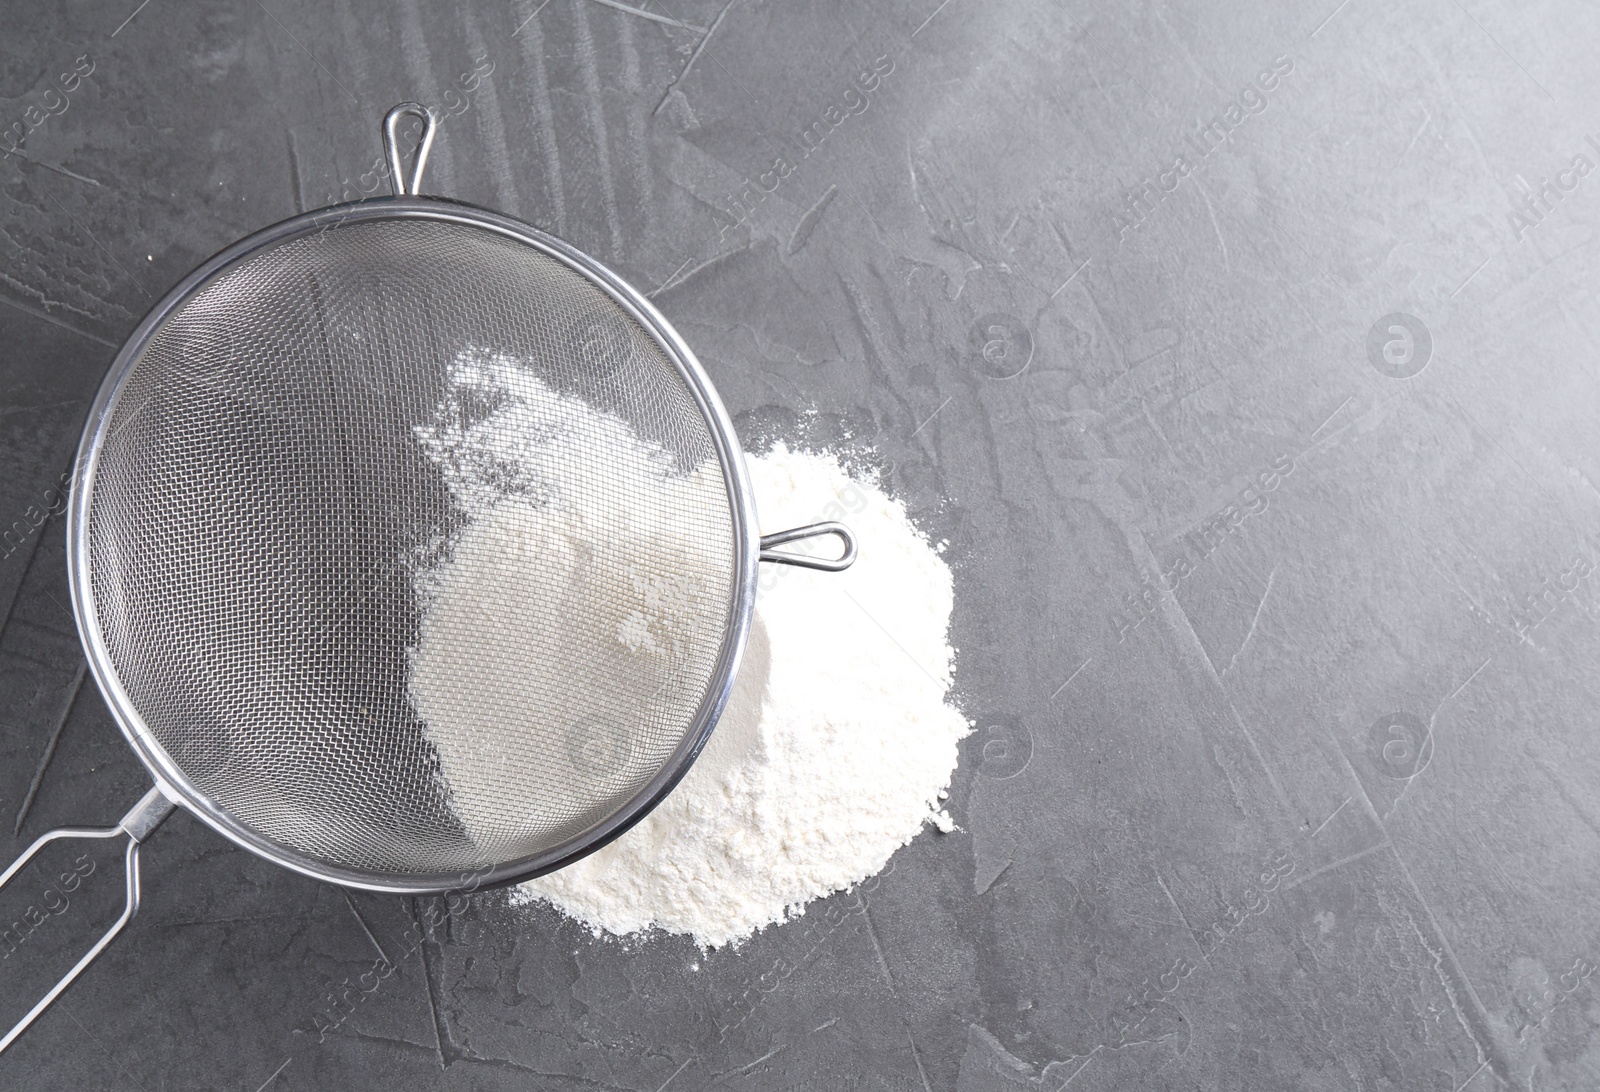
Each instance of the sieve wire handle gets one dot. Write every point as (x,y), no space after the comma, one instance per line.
(769,544)
(146,815)
(391,146)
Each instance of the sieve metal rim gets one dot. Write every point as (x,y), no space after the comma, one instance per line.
(177,786)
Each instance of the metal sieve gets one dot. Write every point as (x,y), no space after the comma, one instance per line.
(411,549)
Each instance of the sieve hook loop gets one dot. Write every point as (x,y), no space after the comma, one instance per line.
(769,552)
(391,146)
(145,816)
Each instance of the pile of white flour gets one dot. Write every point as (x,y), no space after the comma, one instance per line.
(837,744)
(835,750)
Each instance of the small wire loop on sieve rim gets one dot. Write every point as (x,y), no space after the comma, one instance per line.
(391,147)
(846,558)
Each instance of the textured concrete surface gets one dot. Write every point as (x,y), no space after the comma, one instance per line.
(1246,356)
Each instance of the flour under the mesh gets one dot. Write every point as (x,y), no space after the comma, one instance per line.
(835,749)
(533,474)
(837,743)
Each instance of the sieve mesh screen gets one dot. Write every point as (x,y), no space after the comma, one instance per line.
(267,522)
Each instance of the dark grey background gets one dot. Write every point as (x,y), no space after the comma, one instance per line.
(1240,592)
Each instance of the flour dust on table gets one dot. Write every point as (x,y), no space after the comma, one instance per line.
(837,743)
(836,747)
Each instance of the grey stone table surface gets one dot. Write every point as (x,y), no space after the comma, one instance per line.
(1246,357)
